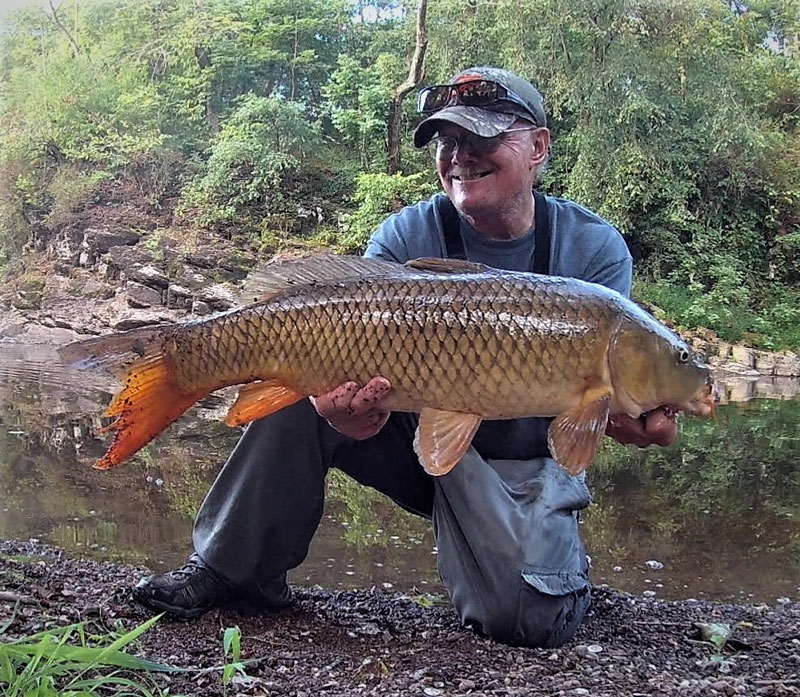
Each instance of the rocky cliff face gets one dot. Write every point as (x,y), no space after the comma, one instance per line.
(94,280)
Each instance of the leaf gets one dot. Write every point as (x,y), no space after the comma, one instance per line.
(231,642)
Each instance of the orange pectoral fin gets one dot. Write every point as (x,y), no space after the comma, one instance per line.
(575,435)
(259,399)
(443,437)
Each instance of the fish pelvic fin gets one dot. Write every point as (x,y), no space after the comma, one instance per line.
(443,438)
(150,399)
(259,399)
(575,435)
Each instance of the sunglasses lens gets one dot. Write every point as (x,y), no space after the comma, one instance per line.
(478,92)
(472,93)
(434,98)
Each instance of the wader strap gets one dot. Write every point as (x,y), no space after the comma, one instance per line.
(541,252)
(451,226)
(454,244)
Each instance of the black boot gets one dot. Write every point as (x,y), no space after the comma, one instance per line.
(196,588)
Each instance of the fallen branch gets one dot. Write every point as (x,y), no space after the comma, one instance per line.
(9,597)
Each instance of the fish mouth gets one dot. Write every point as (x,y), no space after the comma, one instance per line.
(704,403)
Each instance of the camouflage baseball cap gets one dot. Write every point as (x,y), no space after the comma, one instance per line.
(523,101)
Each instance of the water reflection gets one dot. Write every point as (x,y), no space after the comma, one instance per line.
(720,510)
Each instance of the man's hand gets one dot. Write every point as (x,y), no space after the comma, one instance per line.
(353,411)
(659,427)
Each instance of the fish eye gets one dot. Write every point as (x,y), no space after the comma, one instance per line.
(684,356)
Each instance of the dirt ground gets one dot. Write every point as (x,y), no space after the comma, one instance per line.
(374,642)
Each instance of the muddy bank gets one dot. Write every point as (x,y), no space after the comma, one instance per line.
(373,642)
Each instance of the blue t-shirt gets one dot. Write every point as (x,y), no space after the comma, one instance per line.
(582,245)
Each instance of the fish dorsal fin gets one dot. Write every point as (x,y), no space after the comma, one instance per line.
(443,437)
(448,265)
(319,267)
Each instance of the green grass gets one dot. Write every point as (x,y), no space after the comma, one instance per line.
(71,662)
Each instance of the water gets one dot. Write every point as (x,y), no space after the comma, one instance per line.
(720,510)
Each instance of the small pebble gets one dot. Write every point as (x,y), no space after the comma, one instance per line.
(653,564)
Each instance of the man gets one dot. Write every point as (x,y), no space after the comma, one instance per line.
(505,518)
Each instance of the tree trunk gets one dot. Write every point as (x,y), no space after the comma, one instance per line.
(212,116)
(411,82)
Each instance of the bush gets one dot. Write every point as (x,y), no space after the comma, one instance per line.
(377,196)
(71,190)
(262,147)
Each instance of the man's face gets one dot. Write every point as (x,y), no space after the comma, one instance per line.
(495,183)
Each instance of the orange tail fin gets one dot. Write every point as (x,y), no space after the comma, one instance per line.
(150,399)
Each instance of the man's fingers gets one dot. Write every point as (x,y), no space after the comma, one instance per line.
(337,400)
(370,396)
(662,428)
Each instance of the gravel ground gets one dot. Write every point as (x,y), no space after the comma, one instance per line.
(374,642)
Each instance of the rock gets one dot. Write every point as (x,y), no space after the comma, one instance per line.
(219,296)
(178,296)
(764,362)
(125,258)
(787,364)
(653,564)
(27,300)
(127,323)
(723,349)
(141,296)
(97,242)
(149,275)
(67,246)
(192,279)
(743,356)
(200,308)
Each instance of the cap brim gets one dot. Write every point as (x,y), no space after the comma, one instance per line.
(479,121)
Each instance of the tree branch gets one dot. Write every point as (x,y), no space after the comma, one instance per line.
(415,71)
(75,48)
(418,59)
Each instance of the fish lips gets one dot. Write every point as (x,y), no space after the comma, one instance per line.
(704,403)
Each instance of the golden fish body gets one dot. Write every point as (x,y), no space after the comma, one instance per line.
(459,342)
(499,346)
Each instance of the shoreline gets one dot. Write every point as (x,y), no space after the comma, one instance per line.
(377,642)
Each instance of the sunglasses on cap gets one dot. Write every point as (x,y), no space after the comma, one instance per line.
(471,93)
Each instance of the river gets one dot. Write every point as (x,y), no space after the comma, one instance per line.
(715,516)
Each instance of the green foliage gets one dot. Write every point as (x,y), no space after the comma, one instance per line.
(377,196)
(232,648)
(263,146)
(774,324)
(358,101)
(71,662)
(71,189)
(678,121)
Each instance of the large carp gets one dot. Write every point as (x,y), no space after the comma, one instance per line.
(459,342)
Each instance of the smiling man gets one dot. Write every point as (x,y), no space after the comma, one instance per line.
(506,518)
